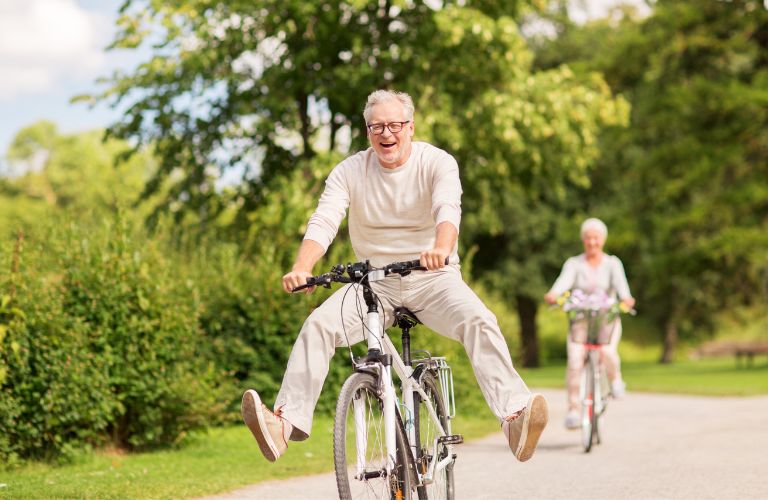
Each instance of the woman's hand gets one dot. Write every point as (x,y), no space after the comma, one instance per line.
(627,304)
(550,298)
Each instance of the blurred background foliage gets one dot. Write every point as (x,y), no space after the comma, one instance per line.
(141,267)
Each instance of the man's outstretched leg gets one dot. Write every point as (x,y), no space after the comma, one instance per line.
(451,308)
(304,376)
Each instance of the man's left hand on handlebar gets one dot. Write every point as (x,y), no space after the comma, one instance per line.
(434,259)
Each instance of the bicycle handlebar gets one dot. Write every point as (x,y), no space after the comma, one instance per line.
(357,272)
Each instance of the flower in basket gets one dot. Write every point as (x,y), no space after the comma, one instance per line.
(579,302)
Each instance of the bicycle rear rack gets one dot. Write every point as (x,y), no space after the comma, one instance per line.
(445,377)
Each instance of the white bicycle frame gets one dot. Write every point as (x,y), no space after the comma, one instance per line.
(404,372)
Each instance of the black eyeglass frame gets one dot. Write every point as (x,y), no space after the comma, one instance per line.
(388,126)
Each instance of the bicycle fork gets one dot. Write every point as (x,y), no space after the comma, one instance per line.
(375,344)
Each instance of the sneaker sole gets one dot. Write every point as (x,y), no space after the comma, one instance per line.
(535,415)
(253,415)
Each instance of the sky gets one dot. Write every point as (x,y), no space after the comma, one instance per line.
(52,50)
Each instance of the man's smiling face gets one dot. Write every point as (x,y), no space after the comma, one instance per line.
(392,149)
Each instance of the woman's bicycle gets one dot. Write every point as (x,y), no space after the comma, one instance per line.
(385,445)
(598,312)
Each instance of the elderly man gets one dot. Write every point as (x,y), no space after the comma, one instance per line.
(404,201)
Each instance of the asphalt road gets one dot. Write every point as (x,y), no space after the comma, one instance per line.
(654,447)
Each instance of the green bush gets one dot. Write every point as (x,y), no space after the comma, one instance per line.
(108,347)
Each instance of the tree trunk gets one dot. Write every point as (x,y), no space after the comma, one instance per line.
(303,102)
(670,342)
(334,129)
(526,312)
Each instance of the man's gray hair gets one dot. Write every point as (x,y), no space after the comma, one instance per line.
(595,224)
(380,96)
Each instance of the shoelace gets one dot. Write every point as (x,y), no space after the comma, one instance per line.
(279,414)
(514,416)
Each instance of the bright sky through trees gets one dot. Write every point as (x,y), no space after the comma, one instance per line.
(51,50)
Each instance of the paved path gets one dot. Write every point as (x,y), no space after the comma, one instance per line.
(655,447)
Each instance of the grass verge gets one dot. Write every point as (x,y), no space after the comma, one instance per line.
(709,377)
(221,460)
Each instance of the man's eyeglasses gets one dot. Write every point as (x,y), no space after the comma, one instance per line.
(394,127)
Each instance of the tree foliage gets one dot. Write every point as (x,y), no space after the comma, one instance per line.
(690,198)
(253,86)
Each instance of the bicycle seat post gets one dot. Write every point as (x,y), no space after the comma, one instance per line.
(406,338)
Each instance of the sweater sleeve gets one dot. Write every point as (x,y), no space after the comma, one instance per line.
(446,191)
(325,221)
(619,279)
(566,279)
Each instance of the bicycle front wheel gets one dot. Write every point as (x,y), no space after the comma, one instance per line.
(441,485)
(359,445)
(588,415)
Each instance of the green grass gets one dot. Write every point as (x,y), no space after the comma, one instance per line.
(222,460)
(708,377)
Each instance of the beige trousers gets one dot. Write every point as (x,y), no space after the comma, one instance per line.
(441,300)
(576,355)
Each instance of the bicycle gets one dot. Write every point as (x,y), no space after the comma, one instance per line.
(385,446)
(598,310)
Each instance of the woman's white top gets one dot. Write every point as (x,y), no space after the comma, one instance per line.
(608,276)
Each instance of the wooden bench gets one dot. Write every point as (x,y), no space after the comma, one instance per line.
(744,351)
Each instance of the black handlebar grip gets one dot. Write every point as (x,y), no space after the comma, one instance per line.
(301,287)
(417,262)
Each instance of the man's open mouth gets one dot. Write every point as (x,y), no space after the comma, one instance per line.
(388,145)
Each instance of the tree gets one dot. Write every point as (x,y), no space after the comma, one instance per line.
(73,175)
(692,188)
(255,85)
(262,82)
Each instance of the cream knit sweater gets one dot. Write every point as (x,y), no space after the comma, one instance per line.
(393,213)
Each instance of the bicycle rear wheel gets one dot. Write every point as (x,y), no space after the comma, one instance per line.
(441,487)
(359,445)
(588,414)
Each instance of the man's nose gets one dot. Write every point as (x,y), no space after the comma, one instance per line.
(387,133)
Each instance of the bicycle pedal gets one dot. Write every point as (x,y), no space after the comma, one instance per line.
(454,439)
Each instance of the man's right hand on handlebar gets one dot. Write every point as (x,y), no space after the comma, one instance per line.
(296,278)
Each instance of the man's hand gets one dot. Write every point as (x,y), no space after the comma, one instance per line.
(309,253)
(550,298)
(297,278)
(434,259)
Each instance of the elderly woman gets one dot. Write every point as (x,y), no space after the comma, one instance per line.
(592,271)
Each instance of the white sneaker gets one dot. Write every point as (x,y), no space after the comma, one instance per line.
(618,388)
(269,428)
(573,420)
(524,428)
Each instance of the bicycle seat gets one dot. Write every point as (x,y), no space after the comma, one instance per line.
(405,318)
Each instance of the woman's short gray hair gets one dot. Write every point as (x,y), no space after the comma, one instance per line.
(379,96)
(595,224)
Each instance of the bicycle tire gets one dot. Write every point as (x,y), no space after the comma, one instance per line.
(587,405)
(372,482)
(442,486)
